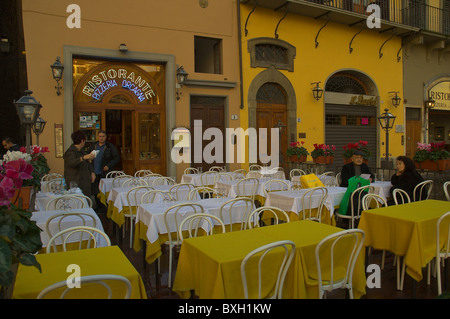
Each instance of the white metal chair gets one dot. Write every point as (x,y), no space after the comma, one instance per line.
(442,248)
(135,181)
(162,180)
(113,174)
(296,172)
(119,180)
(142,173)
(239,174)
(253,174)
(51,176)
(87,198)
(202,192)
(446,190)
(150,178)
(217,169)
(198,220)
(65,202)
(207,175)
(275,291)
(76,229)
(254,217)
(172,216)
(156,196)
(307,202)
(424,187)
(137,193)
(84,219)
(178,190)
(230,207)
(255,167)
(338,179)
(247,187)
(190,170)
(94,279)
(328,179)
(275,185)
(326,250)
(400,195)
(223,177)
(356,197)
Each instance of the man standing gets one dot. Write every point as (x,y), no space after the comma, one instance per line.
(105,161)
(355,168)
(9,145)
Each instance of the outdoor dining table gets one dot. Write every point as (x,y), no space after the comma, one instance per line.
(150,226)
(291,202)
(41,218)
(94,261)
(210,265)
(118,202)
(106,184)
(407,230)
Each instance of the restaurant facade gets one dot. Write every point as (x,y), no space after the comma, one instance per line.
(123,67)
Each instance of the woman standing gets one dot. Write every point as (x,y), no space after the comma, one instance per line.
(406,177)
(78,165)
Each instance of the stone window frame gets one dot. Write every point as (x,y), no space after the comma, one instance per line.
(291,53)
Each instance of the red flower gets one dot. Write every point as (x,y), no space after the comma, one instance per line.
(18,170)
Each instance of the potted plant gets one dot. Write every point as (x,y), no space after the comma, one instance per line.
(40,167)
(352,147)
(296,152)
(432,156)
(19,236)
(323,154)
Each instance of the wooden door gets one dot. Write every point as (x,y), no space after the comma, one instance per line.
(271,110)
(210,110)
(413,134)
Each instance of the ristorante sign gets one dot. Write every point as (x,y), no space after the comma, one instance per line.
(440,93)
(103,80)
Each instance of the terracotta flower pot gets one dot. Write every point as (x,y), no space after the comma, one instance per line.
(443,164)
(429,165)
(22,196)
(302,158)
(293,158)
(324,160)
(347,160)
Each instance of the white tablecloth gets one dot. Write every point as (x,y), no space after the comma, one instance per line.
(291,201)
(152,215)
(41,217)
(230,187)
(382,189)
(118,195)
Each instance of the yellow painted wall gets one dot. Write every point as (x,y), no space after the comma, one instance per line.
(317,64)
(166,27)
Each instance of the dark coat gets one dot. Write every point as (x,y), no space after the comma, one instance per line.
(110,156)
(77,171)
(406,181)
(348,171)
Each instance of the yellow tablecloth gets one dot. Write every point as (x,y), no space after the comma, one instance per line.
(211,265)
(95,261)
(407,230)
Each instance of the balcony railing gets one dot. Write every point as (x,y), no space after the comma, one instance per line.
(414,13)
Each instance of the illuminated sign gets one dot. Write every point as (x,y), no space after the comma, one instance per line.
(440,93)
(102,81)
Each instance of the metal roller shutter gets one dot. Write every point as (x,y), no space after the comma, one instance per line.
(349,124)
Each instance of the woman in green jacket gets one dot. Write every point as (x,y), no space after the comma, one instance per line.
(78,165)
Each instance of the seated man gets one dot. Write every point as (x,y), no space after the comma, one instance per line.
(355,168)
(9,144)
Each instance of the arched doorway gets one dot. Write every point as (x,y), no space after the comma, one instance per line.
(126,100)
(351,113)
(271,109)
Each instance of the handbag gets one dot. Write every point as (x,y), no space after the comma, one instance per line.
(311,181)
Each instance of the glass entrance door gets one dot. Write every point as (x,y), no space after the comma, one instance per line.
(128,150)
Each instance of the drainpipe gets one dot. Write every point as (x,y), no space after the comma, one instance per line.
(241,84)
